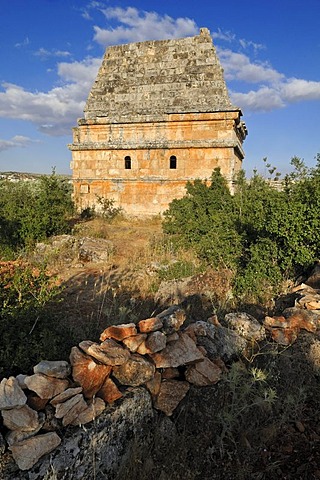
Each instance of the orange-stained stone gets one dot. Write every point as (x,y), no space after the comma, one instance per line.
(119,332)
(89,374)
(134,342)
(150,325)
(109,392)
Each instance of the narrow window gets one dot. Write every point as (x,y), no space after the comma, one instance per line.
(127,162)
(173,162)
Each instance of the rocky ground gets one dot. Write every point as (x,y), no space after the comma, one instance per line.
(260,421)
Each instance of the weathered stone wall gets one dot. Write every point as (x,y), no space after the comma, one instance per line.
(152,101)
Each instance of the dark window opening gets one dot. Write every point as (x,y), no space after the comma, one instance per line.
(127,163)
(173,162)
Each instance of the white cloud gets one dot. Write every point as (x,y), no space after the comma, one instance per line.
(238,66)
(24,43)
(55,111)
(295,90)
(44,54)
(262,100)
(16,141)
(137,26)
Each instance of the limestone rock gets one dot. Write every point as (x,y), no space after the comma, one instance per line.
(219,342)
(154,384)
(170,395)
(133,343)
(89,374)
(20,418)
(246,326)
(203,373)
(181,352)
(16,436)
(70,409)
(90,413)
(20,379)
(29,451)
(46,387)
(136,371)
(108,352)
(62,397)
(119,332)
(94,249)
(11,394)
(150,325)
(172,337)
(172,318)
(155,342)
(58,369)
(109,392)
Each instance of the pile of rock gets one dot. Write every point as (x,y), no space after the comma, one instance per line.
(304,315)
(157,353)
(154,353)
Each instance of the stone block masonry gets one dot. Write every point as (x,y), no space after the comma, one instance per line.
(157,116)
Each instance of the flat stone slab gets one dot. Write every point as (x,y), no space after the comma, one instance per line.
(21,418)
(70,409)
(90,413)
(11,394)
(133,343)
(58,369)
(46,387)
(108,352)
(150,325)
(29,451)
(62,397)
(181,352)
(119,332)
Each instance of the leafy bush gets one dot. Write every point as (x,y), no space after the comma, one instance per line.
(33,211)
(261,233)
(28,330)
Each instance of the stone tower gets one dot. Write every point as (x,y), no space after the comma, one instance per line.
(157,116)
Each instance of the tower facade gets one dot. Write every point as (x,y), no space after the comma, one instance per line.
(157,116)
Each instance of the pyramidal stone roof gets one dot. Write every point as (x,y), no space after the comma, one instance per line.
(145,81)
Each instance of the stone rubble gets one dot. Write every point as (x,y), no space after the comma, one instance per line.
(157,353)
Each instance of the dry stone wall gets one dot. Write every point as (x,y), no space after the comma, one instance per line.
(117,386)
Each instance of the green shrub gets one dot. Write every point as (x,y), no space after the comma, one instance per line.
(33,211)
(28,330)
(261,233)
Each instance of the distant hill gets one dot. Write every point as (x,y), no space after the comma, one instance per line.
(22,176)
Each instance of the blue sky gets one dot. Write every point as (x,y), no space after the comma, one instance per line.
(50,51)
